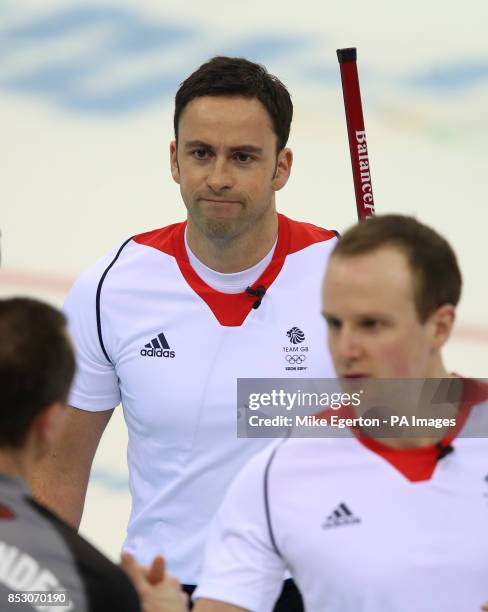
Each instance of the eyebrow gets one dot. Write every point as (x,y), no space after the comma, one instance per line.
(244,147)
(363,315)
(328,315)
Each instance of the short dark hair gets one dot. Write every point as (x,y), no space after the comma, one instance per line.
(434,266)
(236,76)
(37,365)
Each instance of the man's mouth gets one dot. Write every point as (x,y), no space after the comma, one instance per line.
(355,375)
(216,201)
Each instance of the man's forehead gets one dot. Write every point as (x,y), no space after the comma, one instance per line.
(387,263)
(229,112)
(374,279)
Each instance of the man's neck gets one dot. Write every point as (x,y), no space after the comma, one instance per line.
(237,254)
(438,369)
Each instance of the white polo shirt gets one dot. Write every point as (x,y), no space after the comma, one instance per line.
(360,526)
(150,333)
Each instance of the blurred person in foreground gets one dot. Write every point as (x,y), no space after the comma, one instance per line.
(38,551)
(369,524)
(167,323)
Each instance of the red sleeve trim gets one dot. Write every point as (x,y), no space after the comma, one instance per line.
(161,239)
(303,235)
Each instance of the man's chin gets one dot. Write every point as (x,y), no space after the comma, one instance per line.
(220,228)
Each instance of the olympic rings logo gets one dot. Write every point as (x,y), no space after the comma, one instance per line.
(295,358)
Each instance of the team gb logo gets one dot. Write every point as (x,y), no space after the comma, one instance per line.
(296,335)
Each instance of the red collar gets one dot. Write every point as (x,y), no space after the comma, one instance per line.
(418,464)
(231,310)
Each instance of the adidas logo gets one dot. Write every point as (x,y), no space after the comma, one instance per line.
(158,347)
(340,517)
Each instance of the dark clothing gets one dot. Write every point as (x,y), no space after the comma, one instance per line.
(39,552)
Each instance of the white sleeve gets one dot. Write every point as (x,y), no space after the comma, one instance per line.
(241,565)
(95,386)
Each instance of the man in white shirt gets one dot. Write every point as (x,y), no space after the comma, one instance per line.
(369,524)
(171,318)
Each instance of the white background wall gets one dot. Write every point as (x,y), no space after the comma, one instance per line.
(86,118)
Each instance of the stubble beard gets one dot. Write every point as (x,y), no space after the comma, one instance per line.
(222,230)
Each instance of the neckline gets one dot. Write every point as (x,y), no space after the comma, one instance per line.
(230,282)
(419,463)
(231,309)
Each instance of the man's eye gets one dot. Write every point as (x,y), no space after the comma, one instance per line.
(200,153)
(371,324)
(243,158)
(333,323)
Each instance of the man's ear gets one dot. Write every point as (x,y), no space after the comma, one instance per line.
(49,423)
(283,169)
(175,169)
(441,322)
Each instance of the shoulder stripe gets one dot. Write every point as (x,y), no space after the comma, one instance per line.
(303,235)
(99,290)
(162,239)
(266,501)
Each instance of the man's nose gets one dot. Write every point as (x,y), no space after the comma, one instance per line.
(348,344)
(220,175)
